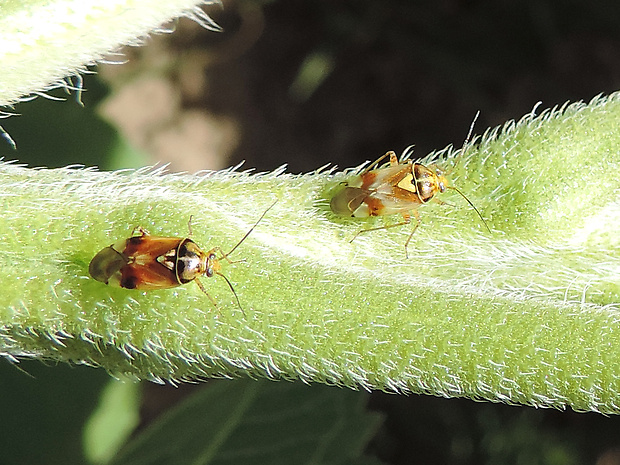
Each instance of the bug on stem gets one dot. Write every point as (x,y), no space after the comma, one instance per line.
(149,262)
(399,187)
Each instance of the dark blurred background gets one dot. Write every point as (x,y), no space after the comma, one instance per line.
(310,82)
(327,81)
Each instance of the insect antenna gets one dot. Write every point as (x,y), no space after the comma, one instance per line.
(233,291)
(465,147)
(247,234)
(456,163)
(213,301)
(472,206)
(471,128)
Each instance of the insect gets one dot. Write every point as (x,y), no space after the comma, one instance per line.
(400,187)
(153,262)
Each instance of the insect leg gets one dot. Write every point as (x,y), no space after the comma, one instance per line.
(141,230)
(189,225)
(407,220)
(202,288)
(378,160)
(417,218)
(442,202)
(393,158)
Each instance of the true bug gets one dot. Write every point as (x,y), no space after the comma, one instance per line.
(152,262)
(399,187)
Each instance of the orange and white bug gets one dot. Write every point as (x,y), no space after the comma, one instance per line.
(400,187)
(152,262)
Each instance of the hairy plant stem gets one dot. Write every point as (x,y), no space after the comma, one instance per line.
(525,314)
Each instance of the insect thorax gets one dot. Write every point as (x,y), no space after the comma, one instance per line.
(187,261)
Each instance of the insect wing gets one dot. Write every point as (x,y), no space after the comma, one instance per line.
(153,275)
(348,200)
(145,248)
(145,269)
(107,263)
(394,200)
(385,177)
(390,191)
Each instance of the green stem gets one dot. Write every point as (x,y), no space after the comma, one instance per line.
(525,314)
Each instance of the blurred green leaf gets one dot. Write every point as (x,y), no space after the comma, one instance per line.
(246,421)
(113,421)
(56,133)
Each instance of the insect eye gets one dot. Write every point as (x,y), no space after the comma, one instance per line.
(210,261)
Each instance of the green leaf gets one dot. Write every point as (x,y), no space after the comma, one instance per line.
(112,422)
(246,421)
(63,130)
